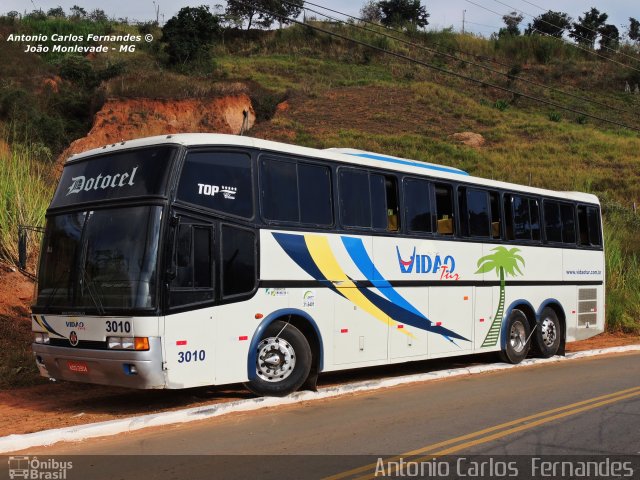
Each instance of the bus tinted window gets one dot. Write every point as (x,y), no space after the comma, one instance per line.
(368,200)
(279,191)
(314,185)
(296,192)
(593,219)
(478,211)
(444,209)
(496,215)
(378,201)
(238,261)
(567,213)
(417,205)
(552,221)
(193,280)
(219,181)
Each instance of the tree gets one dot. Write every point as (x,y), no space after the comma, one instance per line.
(504,261)
(634,29)
(98,15)
(57,12)
(609,37)
(403,13)
(586,29)
(512,21)
(189,33)
(78,12)
(263,12)
(550,23)
(370,12)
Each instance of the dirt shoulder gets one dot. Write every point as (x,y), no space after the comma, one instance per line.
(29,403)
(63,404)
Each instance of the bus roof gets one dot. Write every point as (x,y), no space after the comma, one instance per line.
(343,155)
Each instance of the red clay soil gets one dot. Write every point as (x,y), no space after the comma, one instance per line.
(126,119)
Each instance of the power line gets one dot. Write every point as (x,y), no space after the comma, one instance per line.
(477,57)
(584,26)
(562,40)
(575,34)
(446,54)
(443,70)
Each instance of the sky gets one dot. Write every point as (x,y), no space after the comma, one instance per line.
(479,14)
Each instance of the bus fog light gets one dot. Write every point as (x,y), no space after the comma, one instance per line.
(42,338)
(114,343)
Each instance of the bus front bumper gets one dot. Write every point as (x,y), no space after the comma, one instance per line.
(122,368)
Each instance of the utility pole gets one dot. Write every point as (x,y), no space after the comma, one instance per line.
(463,13)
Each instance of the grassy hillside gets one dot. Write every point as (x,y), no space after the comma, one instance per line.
(343,95)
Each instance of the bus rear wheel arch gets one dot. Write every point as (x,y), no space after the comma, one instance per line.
(283,360)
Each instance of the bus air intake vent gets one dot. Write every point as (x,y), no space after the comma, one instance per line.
(587,307)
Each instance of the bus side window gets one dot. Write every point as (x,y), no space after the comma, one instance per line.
(444,209)
(496,215)
(583,226)
(239,265)
(391,191)
(568,215)
(508,216)
(417,205)
(593,218)
(552,221)
(193,281)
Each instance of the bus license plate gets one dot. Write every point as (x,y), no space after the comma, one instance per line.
(79,367)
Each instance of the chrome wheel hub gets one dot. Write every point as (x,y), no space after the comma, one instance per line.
(276,359)
(517,337)
(549,333)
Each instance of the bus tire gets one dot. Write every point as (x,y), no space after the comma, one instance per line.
(517,333)
(283,361)
(548,335)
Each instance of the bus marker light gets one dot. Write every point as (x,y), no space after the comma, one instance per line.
(573,311)
(344,330)
(243,337)
(181,342)
(400,326)
(481,320)
(466,297)
(259,316)
(438,324)
(141,343)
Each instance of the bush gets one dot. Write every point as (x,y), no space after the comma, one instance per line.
(189,34)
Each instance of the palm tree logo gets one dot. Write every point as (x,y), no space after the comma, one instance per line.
(502,261)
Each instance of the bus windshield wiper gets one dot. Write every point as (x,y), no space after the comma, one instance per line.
(93,291)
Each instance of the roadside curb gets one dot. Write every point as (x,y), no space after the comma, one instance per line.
(113,427)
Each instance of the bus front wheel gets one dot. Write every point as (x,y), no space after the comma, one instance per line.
(283,361)
(517,332)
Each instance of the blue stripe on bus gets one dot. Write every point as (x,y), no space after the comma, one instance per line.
(410,163)
(358,254)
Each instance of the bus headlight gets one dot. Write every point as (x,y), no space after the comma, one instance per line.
(42,338)
(128,343)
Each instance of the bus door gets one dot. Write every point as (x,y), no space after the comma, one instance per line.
(189,326)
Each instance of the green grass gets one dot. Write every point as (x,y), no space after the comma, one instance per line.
(26,188)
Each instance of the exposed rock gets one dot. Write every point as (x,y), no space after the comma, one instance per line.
(469,138)
(121,120)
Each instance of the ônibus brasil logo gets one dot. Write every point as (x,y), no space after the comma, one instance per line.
(102,182)
(424,264)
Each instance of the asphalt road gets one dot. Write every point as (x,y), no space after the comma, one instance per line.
(583,407)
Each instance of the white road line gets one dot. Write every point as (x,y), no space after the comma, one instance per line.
(77,433)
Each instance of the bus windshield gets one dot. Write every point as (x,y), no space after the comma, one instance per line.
(102,259)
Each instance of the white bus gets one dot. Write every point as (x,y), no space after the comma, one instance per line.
(204,259)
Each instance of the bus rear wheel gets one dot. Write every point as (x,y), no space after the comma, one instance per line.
(517,332)
(548,333)
(283,361)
